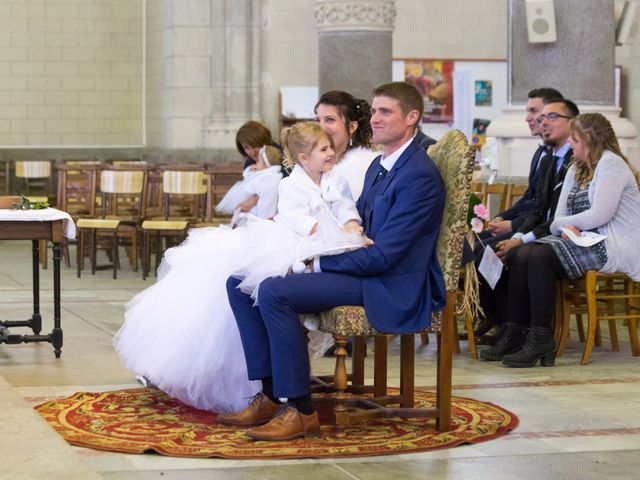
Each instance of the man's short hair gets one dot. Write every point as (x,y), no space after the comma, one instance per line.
(406,94)
(570,108)
(548,95)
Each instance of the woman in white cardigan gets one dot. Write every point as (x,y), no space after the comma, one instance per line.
(600,194)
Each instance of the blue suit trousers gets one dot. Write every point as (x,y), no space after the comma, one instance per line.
(272,336)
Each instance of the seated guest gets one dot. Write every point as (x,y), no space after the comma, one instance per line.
(257,192)
(554,124)
(510,220)
(600,194)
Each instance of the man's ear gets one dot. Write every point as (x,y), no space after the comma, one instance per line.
(413,117)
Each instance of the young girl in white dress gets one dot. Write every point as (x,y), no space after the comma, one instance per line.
(260,179)
(180,333)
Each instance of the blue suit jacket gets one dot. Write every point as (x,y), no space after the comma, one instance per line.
(401,278)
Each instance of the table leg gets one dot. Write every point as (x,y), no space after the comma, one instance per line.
(36,319)
(56,334)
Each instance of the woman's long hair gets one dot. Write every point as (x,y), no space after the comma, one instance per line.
(351,109)
(597,133)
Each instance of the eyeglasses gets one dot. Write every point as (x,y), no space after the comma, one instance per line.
(552,117)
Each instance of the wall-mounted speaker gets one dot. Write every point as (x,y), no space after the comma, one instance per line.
(541,21)
(627,26)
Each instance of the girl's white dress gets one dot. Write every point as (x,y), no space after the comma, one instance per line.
(180,333)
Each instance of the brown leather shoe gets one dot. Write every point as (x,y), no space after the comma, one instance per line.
(287,425)
(260,410)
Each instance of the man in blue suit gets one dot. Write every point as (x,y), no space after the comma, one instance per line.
(397,279)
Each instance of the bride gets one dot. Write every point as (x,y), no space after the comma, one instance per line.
(180,333)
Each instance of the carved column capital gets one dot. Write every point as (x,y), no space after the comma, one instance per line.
(339,15)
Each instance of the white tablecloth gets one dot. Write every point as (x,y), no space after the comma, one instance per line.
(41,215)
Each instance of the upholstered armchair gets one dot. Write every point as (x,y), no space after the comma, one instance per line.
(454,158)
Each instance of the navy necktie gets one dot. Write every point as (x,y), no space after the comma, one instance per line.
(381,174)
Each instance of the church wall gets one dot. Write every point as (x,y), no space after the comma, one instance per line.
(70,73)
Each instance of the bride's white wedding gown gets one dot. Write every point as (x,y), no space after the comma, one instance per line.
(180,333)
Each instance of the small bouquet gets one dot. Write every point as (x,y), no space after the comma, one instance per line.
(26,204)
(481,213)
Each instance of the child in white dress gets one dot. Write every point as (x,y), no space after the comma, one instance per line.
(260,179)
(180,333)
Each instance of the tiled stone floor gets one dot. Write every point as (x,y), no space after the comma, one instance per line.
(575,421)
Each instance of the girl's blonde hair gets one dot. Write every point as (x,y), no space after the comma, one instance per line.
(597,133)
(300,138)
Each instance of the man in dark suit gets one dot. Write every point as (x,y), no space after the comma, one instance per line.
(397,279)
(512,219)
(554,122)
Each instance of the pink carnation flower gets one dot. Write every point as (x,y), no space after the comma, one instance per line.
(481,211)
(477,225)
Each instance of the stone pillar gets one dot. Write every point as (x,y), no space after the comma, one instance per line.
(235,70)
(580,64)
(355,44)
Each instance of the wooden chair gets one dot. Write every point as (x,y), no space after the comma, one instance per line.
(493,195)
(512,194)
(5,176)
(454,157)
(34,179)
(122,204)
(76,193)
(603,296)
(191,190)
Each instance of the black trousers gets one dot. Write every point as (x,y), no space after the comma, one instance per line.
(526,292)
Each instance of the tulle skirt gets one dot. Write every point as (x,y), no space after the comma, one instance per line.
(181,334)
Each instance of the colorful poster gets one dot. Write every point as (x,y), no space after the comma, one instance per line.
(479,135)
(484,93)
(433,78)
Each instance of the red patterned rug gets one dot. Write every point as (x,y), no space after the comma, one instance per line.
(146,420)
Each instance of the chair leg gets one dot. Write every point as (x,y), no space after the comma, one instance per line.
(380,365)
(407,369)
(471,336)
(633,337)
(116,254)
(145,254)
(598,340)
(613,335)
(357,360)
(94,247)
(43,254)
(456,336)
(592,314)
(134,251)
(80,250)
(340,384)
(445,366)
(580,325)
(424,338)
(562,323)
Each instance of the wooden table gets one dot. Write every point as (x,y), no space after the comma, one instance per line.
(36,230)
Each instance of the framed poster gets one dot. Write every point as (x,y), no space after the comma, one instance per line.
(433,78)
(476,90)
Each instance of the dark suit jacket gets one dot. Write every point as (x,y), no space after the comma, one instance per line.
(402,281)
(546,196)
(521,209)
(424,140)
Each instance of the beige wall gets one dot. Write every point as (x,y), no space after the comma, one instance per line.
(70,72)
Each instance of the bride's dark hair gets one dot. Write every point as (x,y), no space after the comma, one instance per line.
(352,109)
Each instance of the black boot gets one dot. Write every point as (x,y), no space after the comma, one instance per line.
(510,341)
(538,345)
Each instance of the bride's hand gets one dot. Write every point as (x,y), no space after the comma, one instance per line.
(573,229)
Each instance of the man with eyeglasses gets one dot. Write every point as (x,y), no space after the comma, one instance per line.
(555,131)
(509,221)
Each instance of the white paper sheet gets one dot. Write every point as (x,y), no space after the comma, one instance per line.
(490,267)
(586,239)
